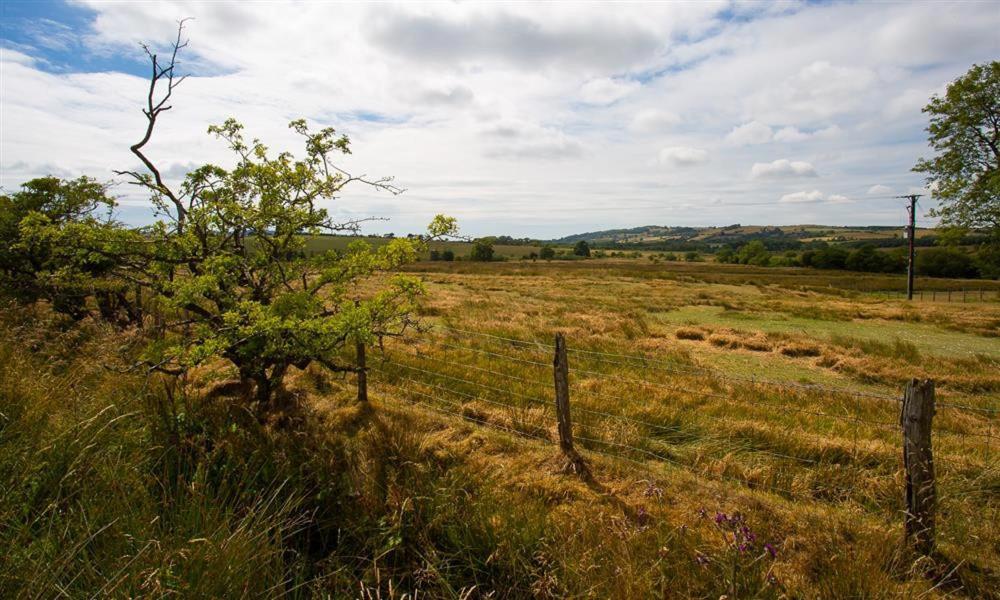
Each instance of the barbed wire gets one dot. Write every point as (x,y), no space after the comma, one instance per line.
(482,385)
(463,416)
(944,460)
(680,369)
(890,426)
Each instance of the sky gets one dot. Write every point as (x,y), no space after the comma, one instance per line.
(525,119)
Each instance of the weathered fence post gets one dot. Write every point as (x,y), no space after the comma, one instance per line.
(918,462)
(565,425)
(362,372)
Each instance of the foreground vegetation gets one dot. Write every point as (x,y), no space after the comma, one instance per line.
(135,486)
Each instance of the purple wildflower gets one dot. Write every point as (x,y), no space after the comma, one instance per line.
(771,550)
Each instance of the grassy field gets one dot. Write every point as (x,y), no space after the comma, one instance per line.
(692,399)
(461,249)
(828,487)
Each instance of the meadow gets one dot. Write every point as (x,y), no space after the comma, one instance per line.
(739,425)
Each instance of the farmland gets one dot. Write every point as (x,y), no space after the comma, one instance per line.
(696,389)
(709,387)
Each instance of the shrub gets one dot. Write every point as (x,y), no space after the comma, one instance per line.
(448,255)
(547,252)
(945,262)
(830,257)
(581,248)
(482,251)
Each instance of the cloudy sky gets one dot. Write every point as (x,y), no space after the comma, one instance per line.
(526,119)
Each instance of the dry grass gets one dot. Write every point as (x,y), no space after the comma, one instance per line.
(449,485)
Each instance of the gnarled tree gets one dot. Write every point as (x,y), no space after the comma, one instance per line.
(230,254)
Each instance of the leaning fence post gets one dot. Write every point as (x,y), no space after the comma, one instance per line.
(362,372)
(564,424)
(918,462)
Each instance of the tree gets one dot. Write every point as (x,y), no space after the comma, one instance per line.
(448,255)
(482,250)
(42,254)
(547,252)
(964,130)
(828,257)
(945,262)
(754,253)
(229,250)
(582,248)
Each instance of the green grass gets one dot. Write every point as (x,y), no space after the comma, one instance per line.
(927,339)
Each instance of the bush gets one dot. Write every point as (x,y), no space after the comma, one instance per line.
(830,257)
(988,261)
(482,251)
(435,255)
(691,257)
(448,256)
(945,262)
(547,252)
(581,248)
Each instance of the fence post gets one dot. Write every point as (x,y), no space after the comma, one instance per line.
(564,423)
(918,462)
(362,372)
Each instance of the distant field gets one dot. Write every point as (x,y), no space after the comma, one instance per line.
(461,249)
(794,278)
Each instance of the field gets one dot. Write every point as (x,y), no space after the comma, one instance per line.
(707,384)
(698,392)
(328,242)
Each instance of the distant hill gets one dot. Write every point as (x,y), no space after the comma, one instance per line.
(680,238)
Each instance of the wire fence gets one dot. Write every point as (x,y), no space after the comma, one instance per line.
(648,411)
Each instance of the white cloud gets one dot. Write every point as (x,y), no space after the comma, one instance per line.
(606,90)
(790,134)
(818,90)
(838,199)
(682,156)
(802,197)
(879,189)
(653,120)
(753,132)
(516,118)
(782,168)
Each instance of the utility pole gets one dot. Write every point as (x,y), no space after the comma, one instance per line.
(911,233)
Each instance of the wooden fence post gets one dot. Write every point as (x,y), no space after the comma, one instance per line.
(362,372)
(564,423)
(918,462)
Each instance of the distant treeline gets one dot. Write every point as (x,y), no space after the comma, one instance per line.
(930,262)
